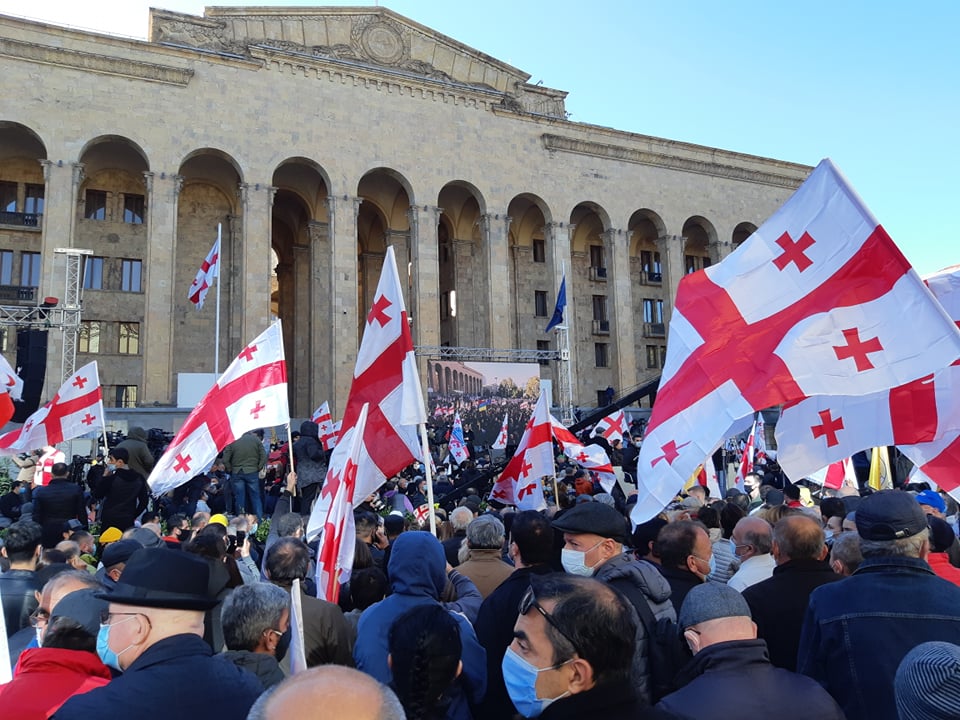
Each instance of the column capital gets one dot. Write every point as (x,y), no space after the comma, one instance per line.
(152,178)
(345,201)
(487,221)
(246,189)
(318,231)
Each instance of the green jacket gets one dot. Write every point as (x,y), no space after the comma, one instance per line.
(245,455)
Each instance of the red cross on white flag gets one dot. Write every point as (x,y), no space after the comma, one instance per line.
(208,272)
(386,378)
(811,304)
(519,483)
(76,410)
(822,430)
(326,427)
(251,394)
(10,382)
(612,427)
(590,457)
(501,442)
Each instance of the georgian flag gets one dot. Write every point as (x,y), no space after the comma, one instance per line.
(75,410)
(10,381)
(251,394)
(326,427)
(457,447)
(613,427)
(811,304)
(385,378)
(821,430)
(519,483)
(747,460)
(590,457)
(501,442)
(835,475)
(208,272)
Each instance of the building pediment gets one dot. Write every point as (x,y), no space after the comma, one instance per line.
(372,36)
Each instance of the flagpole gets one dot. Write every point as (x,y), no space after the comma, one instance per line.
(290,452)
(216,333)
(428,473)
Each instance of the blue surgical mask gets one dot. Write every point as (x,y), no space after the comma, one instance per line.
(520,677)
(108,656)
(733,548)
(111,467)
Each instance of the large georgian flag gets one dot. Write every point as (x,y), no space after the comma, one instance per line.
(385,377)
(251,394)
(76,410)
(208,272)
(519,483)
(821,430)
(590,457)
(813,303)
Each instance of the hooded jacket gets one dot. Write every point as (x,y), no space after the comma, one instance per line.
(309,456)
(141,459)
(417,571)
(46,677)
(634,578)
(125,496)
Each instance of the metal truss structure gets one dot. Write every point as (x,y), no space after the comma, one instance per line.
(485,354)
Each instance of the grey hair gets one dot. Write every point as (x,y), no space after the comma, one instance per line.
(762,541)
(846,551)
(461,517)
(81,577)
(485,533)
(69,548)
(904,547)
(248,611)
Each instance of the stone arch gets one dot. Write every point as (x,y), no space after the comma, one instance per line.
(209,197)
(531,269)
(21,175)
(462,266)
(590,221)
(383,219)
(99,149)
(741,232)
(699,235)
(114,187)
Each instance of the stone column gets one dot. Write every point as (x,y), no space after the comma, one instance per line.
(424,305)
(255,258)
(400,239)
(670,248)
(163,192)
(470,324)
(718,250)
(620,297)
(343,283)
(559,236)
(317,336)
(496,239)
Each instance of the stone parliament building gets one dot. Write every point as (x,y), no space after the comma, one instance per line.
(317,137)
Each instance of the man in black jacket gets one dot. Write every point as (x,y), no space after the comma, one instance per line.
(56,503)
(779,604)
(124,492)
(531,549)
(730,675)
(685,550)
(19,584)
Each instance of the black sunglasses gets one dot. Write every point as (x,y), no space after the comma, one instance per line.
(529,600)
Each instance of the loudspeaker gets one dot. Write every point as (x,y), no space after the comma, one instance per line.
(32,369)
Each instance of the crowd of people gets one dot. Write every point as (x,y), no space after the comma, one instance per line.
(770,602)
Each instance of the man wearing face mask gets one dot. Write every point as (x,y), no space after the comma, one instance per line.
(256,629)
(153,633)
(593,537)
(730,676)
(752,541)
(572,651)
(686,557)
(123,491)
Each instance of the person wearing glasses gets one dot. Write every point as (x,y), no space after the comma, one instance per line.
(152,633)
(572,652)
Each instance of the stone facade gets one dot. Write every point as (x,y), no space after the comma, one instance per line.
(315,138)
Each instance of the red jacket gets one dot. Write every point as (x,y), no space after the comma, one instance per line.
(940,564)
(45,678)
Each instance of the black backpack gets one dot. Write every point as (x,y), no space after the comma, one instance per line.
(667,653)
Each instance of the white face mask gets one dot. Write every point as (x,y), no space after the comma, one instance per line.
(574,561)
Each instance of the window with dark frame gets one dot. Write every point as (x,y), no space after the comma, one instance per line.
(652,356)
(539,250)
(95,205)
(600,307)
(130,275)
(93,273)
(540,303)
(8,196)
(602,356)
(30,269)
(125,396)
(596,256)
(6,267)
(543,345)
(129,338)
(133,209)
(88,337)
(33,200)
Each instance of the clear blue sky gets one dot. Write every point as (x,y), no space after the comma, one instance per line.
(873,85)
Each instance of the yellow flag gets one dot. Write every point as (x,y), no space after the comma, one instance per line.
(880,469)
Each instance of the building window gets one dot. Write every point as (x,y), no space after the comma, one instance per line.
(88,337)
(125,396)
(5,334)
(130,277)
(6,267)
(602,356)
(652,310)
(599,307)
(33,202)
(133,206)
(539,250)
(129,338)
(8,196)
(543,345)
(663,356)
(705,262)
(650,262)
(30,269)
(652,356)
(690,263)
(596,256)
(93,273)
(95,205)
(540,302)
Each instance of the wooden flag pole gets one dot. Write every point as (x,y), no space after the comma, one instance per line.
(428,474)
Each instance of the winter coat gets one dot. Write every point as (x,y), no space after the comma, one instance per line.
(264,667)
(125,496)
(308,456)
(726,560)
(327,637)
(681,582)
(141,459)
(735,680)
(245,455)
(638,578)
(486,570)
(779,604)
(45,678)
(613,701)
(55,503)
(17,588)
(418,576)
(171,679)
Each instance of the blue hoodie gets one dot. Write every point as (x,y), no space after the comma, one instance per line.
(417,571)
